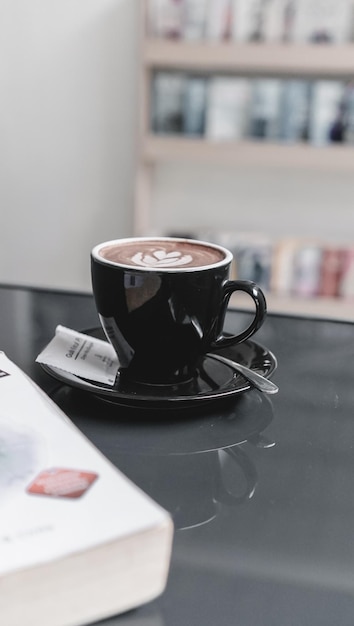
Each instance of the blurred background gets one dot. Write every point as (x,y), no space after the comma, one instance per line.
(122,117)
(68,76)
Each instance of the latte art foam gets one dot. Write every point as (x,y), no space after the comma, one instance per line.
(161,254)
(161,258)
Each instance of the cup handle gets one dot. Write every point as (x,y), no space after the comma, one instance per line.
(258,298)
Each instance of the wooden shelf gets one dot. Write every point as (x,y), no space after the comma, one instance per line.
(271,58)
(328,308)
(161,149)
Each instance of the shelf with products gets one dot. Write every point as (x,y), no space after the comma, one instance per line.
(249,60)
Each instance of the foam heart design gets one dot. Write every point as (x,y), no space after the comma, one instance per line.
(162,254)
(161,258)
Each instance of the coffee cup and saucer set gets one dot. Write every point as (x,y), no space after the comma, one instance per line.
(161,303)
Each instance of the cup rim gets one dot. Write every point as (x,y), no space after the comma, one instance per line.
(228,256)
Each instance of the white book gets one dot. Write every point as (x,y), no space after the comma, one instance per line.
(165,18)
(325,110)
(351,25)
(252,254)
(248,20)
(195,15)
(274,20)
(253,258)
(227,110)
(322,21)
(349,113)
(195,100)
(289,16)
(219,20)
(282,275)
(346,287)
(295,110)
(307,270)
(266,108)
(78,541)
(168,102)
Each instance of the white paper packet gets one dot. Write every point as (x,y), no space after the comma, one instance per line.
(81,355)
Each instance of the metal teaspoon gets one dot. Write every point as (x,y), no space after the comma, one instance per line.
(257,380)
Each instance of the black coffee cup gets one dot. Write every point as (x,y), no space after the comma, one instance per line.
(162,302)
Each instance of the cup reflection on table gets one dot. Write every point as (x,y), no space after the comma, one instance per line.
(194,487)
(193,462)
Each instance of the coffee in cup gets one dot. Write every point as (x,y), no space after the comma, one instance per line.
(162,302)
(170,253)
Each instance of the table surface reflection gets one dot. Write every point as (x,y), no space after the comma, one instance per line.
(260,488)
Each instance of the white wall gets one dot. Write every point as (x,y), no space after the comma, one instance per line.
(67,135)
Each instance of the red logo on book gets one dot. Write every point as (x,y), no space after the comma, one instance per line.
(62,483)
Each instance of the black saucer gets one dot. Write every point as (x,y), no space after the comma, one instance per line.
(214,380)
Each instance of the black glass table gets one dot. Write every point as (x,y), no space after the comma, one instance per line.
(261,488)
